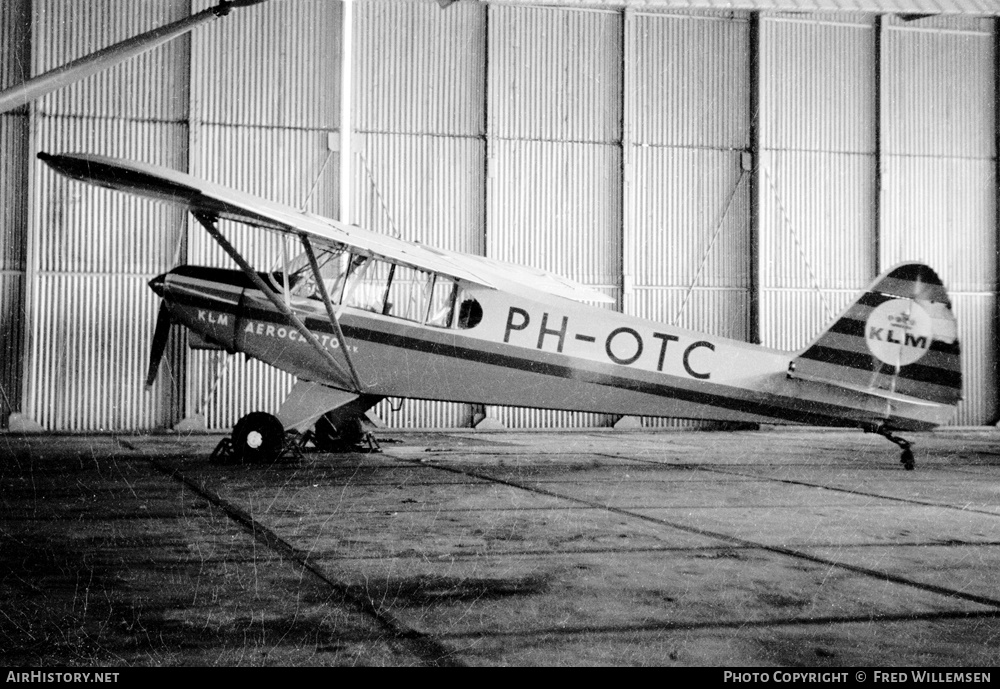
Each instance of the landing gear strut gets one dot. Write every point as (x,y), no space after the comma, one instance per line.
(907,457)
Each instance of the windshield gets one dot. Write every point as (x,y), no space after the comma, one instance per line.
(373,284)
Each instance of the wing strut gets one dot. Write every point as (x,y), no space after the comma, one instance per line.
(321,286)
(208,222)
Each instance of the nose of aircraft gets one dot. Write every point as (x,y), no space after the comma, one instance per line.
(158,283)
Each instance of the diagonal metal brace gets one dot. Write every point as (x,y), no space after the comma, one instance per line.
(208,222)
(330,311)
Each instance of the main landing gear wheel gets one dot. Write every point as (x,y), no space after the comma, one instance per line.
(341,437)
(258,438)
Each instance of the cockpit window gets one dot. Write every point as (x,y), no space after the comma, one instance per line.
(367,282)
(442,306)
(302,281)
(379,286)
(409,293)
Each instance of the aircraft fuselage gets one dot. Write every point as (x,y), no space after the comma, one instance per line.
(539,352)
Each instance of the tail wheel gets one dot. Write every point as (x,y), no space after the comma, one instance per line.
(340,436)
(907,459)
(258,438)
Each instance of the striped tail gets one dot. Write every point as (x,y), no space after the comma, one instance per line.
(899,338)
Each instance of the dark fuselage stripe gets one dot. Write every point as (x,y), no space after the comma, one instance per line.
(757,405)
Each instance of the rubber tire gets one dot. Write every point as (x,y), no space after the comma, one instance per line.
(258,438)
(332,438)
(907,460)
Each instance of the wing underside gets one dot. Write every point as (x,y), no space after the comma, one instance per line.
(206,198)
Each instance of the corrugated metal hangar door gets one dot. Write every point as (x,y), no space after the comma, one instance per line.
(735,172)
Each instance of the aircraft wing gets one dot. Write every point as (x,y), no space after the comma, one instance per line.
(200,196)
(511,276)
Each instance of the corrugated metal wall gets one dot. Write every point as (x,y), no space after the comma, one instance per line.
(601,144)
(265,100)
(91,251)
(248,101)
(152,86)
(15,59)
(940,186)
(686,223)
(554,194)
(419,121)
(817,185)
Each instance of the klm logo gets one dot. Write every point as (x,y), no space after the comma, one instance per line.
(899,332)
(213,317)
(894,336)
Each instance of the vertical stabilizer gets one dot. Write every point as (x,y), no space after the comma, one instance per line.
(899,337)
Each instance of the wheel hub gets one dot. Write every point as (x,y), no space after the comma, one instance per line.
(254,439)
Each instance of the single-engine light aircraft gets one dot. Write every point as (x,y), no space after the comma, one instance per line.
(360,316)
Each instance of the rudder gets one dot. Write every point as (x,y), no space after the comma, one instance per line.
(899,337)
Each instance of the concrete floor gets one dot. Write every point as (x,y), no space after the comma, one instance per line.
(791,548)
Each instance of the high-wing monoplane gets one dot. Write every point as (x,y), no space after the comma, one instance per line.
(360,316)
